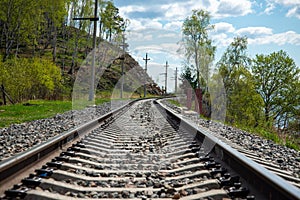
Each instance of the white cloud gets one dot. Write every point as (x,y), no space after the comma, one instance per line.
(152,24)
(289,37)
(254,31)
(137,36)
(169,48)
(143,24)
(173,26)
(232,8)
(135,25)
(270,7)
(259,36)
(125,10)
(175,11)
(287,2)
(168,35)
(224,27)
(293,5)
(221,40)
(179,10)
(294,12)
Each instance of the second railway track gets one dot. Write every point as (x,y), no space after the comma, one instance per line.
(145,152)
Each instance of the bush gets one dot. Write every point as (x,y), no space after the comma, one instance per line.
(31,79)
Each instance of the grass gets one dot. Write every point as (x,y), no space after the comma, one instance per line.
(291,142)
(40,109)
(32,110)
(35,109)
(174,102)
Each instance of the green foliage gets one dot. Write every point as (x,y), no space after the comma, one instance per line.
(233,58)
(197,46)
(188,78)
(30,78)
(174,102)
(244,104)
(111,21)
(292,145)
(277,78)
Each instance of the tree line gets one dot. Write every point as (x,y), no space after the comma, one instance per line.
(45,30)
(263,91)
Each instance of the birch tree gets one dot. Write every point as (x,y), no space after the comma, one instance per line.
(196,45)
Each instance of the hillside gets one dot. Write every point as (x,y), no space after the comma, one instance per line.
(133,78)
(71,50)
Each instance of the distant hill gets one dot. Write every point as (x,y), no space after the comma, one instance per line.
(134,77)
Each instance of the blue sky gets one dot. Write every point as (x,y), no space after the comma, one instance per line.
(155,28)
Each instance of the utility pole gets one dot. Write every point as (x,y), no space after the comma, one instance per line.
(146,61)
(166,77)
(123,45)
(176,72)
(94,19)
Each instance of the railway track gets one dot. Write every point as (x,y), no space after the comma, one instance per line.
(143,151)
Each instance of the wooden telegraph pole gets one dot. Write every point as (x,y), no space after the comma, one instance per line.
(94,19)
(166,77)
(146,61)
(123,45)
(176,74)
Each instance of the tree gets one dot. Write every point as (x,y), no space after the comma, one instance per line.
(197,46)
(276,77)
(111,21)
(17,23)
(187,78)
(54,13)
(235,57)
(243,103)
(245,106)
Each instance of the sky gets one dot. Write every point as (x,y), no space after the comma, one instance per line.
(155,28)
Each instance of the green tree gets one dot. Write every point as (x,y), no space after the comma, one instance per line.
(196,44)
(243,103)
(54,14)
(276,77)
(188,78)
(17,23)
(245,106)
(112,22)
(235,57)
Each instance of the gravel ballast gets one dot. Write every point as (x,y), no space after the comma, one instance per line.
(287,158)
(20,137)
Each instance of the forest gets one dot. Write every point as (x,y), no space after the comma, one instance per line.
(40,39)
(262,93)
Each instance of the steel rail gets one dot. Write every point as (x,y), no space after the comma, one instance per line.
(270,185)
(17,163)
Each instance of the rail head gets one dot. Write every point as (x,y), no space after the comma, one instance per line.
(271,185)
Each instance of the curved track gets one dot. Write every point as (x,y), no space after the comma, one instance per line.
(144,151)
